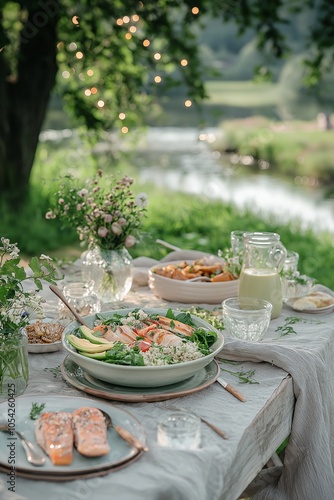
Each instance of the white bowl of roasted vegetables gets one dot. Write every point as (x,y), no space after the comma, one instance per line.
(142,347)
(173,281)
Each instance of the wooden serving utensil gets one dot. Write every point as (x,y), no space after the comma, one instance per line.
(62,297)
(126,435)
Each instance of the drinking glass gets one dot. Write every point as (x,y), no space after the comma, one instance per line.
(82,297)
(246,318)
(179,429)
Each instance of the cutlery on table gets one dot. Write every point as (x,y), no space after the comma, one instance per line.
(34,455)
(62,297)
(216,429)
(126,435)
(232,390)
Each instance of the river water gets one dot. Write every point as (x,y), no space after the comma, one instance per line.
(175,158)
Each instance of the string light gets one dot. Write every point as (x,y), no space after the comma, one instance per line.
(94,90)
(90,72)
(121,116)
(157,56)
(188,103)
(184,62)
(195,10)
(146,43)
(133,29)
(87,92)
(119,22)
(157,79)
(126,19)
(65,74)
(124,130)
(128,36)
(100,103)
(135,18)
(79,55)
(75,20)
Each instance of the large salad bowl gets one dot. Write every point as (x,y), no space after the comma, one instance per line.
(140,376)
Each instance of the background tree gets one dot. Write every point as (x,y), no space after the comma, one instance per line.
(109,56)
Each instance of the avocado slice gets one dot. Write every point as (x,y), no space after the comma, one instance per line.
(95,355)
(84,345)
(93,337)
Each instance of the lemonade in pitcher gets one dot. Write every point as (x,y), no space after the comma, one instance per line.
(263,258)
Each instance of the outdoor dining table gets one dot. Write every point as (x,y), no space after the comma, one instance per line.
(289,394)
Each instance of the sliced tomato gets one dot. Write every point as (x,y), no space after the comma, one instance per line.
(144,345)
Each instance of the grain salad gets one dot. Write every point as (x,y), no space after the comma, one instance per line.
(139,338)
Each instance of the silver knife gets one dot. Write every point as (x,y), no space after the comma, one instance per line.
(232,390)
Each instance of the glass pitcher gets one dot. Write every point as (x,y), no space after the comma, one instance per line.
(263,259)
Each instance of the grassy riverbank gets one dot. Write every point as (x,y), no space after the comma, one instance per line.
(291,149)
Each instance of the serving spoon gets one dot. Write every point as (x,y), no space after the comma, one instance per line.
(126,435)
(62,297)
(199,278)
(34,455)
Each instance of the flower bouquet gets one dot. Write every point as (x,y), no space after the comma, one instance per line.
(17,307)
(107,217)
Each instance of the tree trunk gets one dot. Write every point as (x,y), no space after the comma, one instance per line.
(24,99)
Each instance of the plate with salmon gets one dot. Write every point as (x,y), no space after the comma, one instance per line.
(73,434)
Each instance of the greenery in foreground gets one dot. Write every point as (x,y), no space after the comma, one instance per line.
(184,226)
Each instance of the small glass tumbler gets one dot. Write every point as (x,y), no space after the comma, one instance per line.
(246,318)
(82,297)
(291,262)
(179,429)
(237,243)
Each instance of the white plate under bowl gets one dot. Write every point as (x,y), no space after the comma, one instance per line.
(141,376)
(190,292)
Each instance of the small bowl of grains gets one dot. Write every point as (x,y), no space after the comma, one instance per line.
(44,336)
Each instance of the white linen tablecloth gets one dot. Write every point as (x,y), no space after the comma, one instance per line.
(308,355)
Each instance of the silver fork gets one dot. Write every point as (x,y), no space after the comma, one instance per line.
(34,455)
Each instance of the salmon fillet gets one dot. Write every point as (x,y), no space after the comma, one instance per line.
(90,432)
(54,434)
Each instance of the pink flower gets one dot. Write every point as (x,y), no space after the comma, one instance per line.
(102,232)
(141,200)
(107,218)
(116,228)
(122,221)
(130,241)
(83,193)
(61,201)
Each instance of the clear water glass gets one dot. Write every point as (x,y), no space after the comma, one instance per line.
(237,242)
(179,429)
(82,297)
(291,262)
(246,318)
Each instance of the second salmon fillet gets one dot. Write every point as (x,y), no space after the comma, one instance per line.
(90,432)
